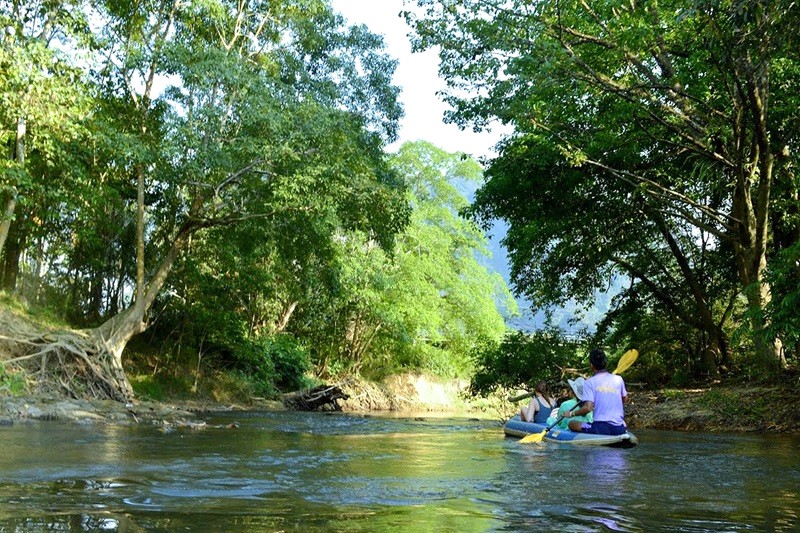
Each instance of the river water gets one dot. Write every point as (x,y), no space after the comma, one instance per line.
(318,472)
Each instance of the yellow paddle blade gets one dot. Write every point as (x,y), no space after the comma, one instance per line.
(627,359)
(533,437)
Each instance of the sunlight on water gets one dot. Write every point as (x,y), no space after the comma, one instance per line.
(318,472)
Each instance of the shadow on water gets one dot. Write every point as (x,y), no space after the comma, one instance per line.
(317,472)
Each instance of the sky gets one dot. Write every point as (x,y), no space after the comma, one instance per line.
(417,76)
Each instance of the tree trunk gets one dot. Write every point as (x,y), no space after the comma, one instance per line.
(283,320)
(750,252)
(139,233)
(322,397)
(116,332)
(716,351)
(89,363)
(11,256)
(11,201)
(752,211)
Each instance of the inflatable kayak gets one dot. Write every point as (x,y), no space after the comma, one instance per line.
(515,427)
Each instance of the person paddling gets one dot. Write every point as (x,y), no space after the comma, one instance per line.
(605,394)
(561,419)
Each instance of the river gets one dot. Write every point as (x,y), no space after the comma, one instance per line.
(323,472)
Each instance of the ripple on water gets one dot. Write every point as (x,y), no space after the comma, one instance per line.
(216,488)
(346,473)
(142,502)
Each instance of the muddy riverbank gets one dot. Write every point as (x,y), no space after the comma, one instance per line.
(712,409)
(716,408)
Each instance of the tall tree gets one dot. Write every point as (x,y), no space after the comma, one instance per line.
(429,302)
(569,239)
(43,100)
(669,103)
(224,111)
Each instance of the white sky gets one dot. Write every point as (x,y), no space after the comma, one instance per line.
(417,75)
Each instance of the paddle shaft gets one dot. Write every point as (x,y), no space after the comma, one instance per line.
(554,424)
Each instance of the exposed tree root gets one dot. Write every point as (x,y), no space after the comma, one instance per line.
(76,364)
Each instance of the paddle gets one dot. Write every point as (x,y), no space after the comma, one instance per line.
(625,362)
(537,437)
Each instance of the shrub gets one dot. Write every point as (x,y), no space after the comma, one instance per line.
(160,387)
(522,359)
(290,360)
(12,382)
(278,362)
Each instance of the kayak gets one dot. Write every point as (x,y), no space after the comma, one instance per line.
(515,427)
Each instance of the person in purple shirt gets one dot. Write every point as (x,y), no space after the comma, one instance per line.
(605,394)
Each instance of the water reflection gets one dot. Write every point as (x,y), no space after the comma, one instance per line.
(607,474)
(607,468)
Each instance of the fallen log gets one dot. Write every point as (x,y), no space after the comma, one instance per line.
(325,397)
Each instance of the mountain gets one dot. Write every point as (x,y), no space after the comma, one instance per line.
(571,319)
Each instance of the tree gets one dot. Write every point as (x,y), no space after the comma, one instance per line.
(442,255)
(683,108)
(43,104)
(427,303)
(220,112)
(520,360)
(568,239)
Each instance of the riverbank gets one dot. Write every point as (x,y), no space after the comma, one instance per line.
(22,409)
(719,407)
(726,406)
(715,408)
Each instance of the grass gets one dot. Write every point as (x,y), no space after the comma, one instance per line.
(218,387)
(12,382)
(45,318)
(732,405)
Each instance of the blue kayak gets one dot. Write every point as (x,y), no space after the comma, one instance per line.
(515,427)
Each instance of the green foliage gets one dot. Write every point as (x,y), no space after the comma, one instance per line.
(253,360)
(217,386)
(625,162)
(661,366)
(425,303)
(673,393)
(213,327)
(273,363)
(162,386)
(729,405)
(13,382)
(783,311)
(520,360)
(256,131)
(290,361)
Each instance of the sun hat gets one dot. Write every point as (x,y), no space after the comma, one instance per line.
(577,387)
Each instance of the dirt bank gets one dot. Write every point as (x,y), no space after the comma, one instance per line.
(22,409)
(716,408)
(410,392)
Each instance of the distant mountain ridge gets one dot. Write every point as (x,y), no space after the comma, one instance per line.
(570,318)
